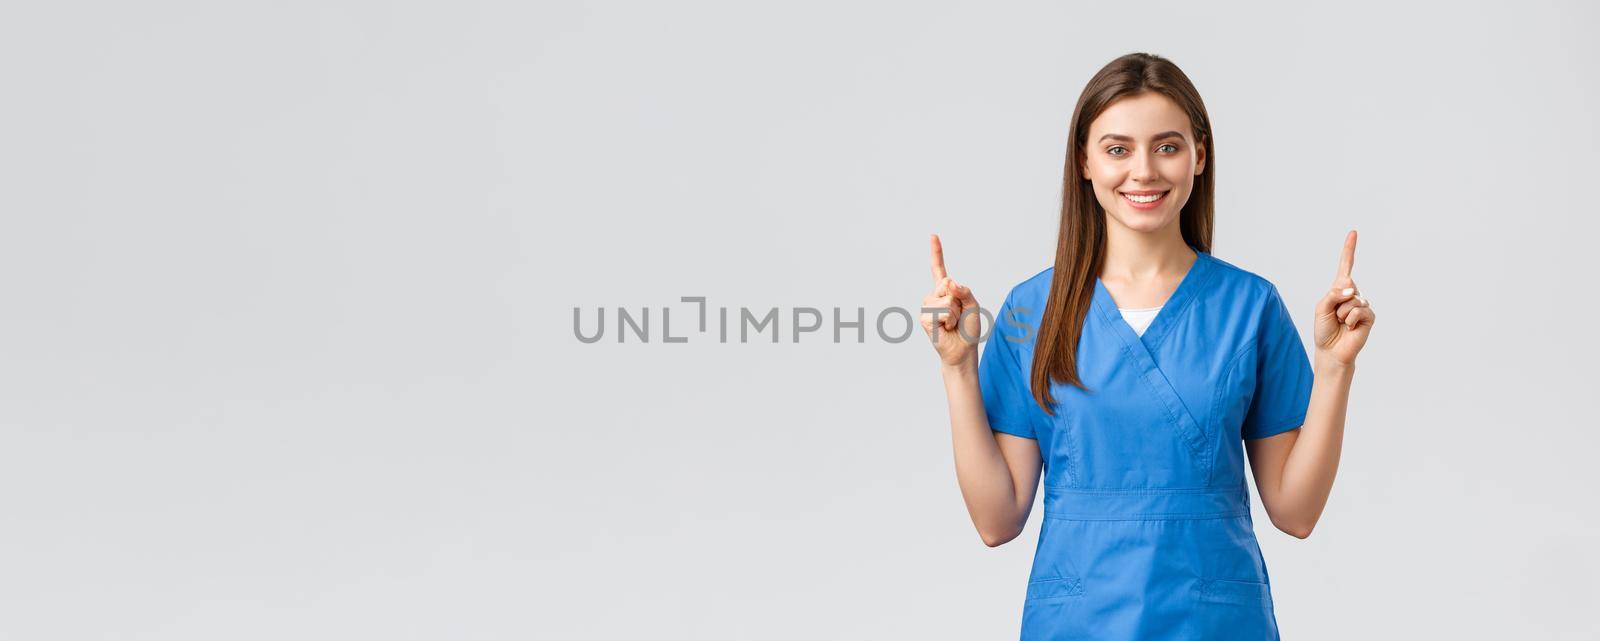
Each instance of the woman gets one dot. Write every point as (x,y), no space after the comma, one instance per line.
(1131,371)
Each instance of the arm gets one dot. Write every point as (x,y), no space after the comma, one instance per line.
(998,473)
(1294,470)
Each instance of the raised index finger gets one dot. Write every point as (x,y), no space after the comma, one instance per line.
(1347,260)
(937,258)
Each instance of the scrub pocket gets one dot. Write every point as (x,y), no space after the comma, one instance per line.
(1054,588)
(1235,592)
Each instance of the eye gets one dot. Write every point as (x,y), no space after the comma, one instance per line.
(1167,145)
(1114,148)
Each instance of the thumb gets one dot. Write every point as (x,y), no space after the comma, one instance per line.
(964,294)
(1330,302)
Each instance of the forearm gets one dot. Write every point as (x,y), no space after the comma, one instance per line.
(986,480)
(1309,469)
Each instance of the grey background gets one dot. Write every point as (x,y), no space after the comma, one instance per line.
(287,343)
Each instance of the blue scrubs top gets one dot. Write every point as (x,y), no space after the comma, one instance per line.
(1147,531)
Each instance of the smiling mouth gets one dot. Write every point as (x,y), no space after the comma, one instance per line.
(1144,199)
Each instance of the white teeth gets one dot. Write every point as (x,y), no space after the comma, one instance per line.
(1144,199)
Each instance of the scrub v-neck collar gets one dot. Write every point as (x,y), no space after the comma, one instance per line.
(1171,310)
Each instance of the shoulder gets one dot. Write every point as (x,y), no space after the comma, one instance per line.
(1033,291)
(1240,285)
(1251,301)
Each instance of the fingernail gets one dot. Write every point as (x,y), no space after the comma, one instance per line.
(1348,291)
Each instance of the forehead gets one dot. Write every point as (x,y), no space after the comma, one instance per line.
(1141,116)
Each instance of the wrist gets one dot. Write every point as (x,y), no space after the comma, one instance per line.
(1328,366)
(966,368)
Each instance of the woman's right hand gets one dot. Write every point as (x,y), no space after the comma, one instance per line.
(955,350)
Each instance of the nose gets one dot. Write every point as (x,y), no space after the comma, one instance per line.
(1144,168)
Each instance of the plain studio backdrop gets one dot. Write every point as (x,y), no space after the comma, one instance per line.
(288,345)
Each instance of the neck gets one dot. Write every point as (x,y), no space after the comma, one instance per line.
(1137,256)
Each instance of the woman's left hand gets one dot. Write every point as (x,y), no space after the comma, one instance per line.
(1344,316)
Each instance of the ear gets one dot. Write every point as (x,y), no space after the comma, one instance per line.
(1199,159)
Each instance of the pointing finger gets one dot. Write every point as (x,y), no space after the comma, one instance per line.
(1347,259)
(937,258)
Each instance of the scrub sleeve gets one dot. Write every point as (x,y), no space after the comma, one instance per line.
(1001,375)
(1283,375)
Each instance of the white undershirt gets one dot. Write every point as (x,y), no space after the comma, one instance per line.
(1139,319)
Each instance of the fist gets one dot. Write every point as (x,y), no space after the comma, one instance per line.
(1344,316)
(950,314)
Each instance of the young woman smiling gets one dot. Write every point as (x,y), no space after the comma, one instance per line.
(1136,374)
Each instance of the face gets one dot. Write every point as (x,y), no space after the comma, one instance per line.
(1142,158)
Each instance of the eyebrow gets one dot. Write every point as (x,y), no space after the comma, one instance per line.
(1122,138)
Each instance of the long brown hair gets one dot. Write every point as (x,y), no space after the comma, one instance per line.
(1080,245)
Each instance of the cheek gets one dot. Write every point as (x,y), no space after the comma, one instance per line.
(1100,174)
(1178,168)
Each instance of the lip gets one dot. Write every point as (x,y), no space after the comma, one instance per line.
(1145,192)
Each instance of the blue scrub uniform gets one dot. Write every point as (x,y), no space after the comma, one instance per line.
(1147,531)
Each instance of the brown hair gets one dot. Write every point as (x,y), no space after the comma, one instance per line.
(1080,245)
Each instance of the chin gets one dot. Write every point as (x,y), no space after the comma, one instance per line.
(1147,222)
